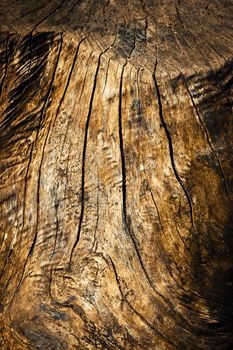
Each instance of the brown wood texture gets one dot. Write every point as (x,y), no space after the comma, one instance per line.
(116,175)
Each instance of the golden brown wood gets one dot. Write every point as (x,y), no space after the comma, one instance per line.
(116,175)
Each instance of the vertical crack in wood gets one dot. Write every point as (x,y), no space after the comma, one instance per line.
(170,146)
(123,168)
(84,156)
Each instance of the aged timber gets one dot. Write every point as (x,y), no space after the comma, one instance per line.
(116,175)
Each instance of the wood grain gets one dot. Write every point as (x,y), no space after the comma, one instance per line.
(116,175)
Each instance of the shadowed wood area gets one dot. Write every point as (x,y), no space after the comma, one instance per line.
(116,175)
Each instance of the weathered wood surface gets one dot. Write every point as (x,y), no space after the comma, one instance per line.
(116,175)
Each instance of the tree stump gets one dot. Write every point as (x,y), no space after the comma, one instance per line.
(116,175)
